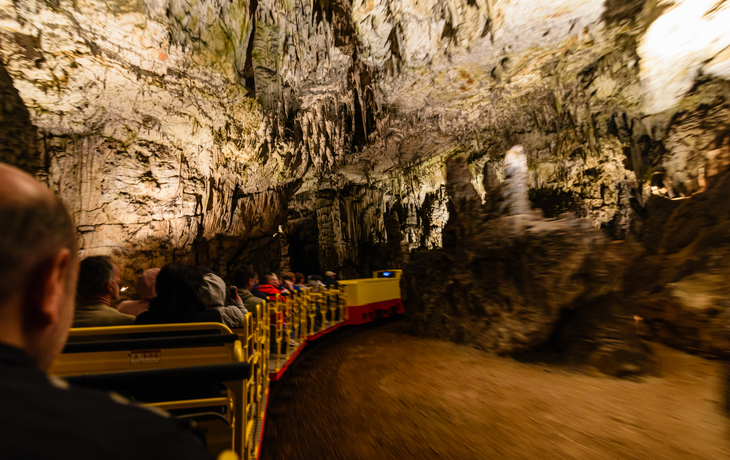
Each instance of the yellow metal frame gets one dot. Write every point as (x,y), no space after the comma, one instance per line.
(294,317)
(115,330)
(243,399)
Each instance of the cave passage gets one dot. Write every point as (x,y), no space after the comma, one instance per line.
(379,393)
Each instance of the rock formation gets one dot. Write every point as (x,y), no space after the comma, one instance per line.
(315,134)
(516,283)
(679,283)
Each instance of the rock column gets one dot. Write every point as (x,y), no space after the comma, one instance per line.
(514,188)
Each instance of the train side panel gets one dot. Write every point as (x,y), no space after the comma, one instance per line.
(371,298)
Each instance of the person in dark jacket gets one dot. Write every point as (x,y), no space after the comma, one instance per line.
(330,280)
(42,417)
(178,298)
(255,289)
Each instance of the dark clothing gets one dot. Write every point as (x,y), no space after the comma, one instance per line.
(330,283)
(255,291)
(41,419)
(182,390)
(205,316)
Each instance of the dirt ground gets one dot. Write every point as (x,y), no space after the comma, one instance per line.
(379,393)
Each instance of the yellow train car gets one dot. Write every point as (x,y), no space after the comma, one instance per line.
(272,339)
(371,298)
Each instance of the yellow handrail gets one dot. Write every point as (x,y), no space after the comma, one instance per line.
(111,330)
(295,317)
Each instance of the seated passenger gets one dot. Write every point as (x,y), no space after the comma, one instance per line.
(98,287)
(314,283)
(145,289)
(274,281)
(271,286)
(255,290)
(288,281)
(178,289)
(44,418)
(213,295)
(330,280)
(243,278)
(299,277)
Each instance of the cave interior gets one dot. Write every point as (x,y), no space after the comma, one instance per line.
(550,174)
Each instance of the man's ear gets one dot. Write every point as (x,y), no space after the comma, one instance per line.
(53,285)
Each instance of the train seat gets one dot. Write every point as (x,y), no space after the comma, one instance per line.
(129,358)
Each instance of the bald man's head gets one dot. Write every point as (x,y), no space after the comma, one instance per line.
(37,243)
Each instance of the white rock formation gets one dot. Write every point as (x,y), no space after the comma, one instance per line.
(690,38)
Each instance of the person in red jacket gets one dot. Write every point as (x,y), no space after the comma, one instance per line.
(271,286)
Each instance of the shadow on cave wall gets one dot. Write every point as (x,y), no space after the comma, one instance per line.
(304,245)
(18,136)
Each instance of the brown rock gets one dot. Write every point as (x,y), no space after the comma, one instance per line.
(519,284)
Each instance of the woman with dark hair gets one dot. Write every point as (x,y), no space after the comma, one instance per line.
(178,298)
(178,301)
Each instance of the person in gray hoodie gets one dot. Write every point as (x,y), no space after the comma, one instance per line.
(213,295)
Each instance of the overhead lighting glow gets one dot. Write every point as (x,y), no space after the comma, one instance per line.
(689,35)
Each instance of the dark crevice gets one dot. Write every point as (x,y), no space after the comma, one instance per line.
(248,73)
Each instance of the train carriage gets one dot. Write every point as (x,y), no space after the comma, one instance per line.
(245,360)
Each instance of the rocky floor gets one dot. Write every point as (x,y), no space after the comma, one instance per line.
(379,393)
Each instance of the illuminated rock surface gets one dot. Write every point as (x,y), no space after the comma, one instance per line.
(517,283)
(315,134)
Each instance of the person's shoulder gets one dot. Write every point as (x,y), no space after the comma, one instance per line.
(134,307)
(255,300)
(143,432)
(101,317)
(85,424)
(113,317)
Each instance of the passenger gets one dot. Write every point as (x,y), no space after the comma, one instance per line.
(145,289)
(299,277)
(213,295)
(255,290)
(330,280)
(274,280)
(271,286)
(243,278)
(41,417)
(178,289)
(288,281)
(315,283)
(98,287)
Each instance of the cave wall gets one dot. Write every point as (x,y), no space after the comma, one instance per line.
(510,281)
(18,136)
(219,133)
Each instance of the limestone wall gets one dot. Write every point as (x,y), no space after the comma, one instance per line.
(193,129)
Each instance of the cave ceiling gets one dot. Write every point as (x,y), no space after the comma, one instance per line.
(165,122)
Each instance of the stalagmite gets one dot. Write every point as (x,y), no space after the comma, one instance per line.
(514,188)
